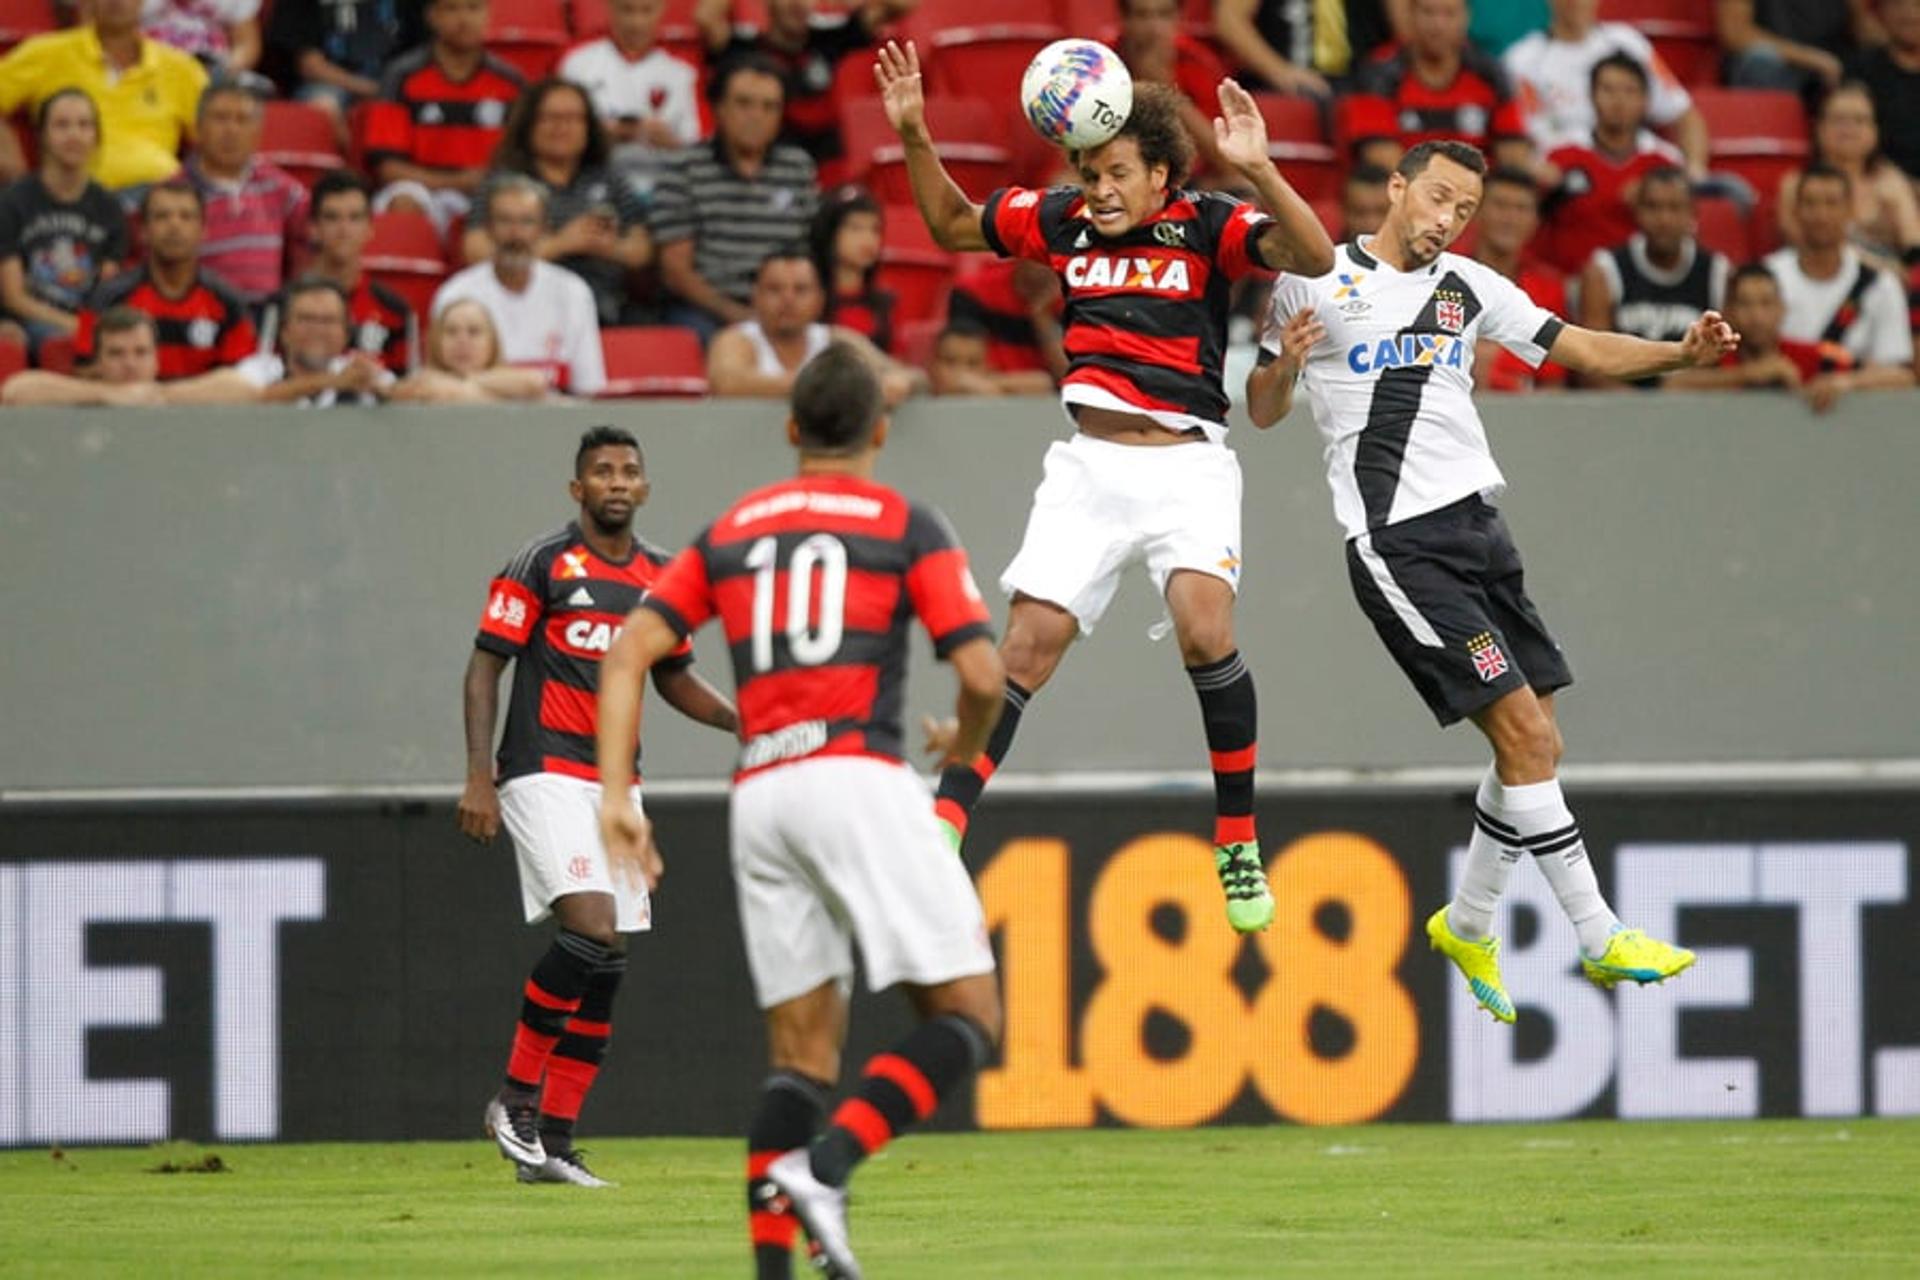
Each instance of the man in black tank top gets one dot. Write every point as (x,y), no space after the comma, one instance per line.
(1662,280)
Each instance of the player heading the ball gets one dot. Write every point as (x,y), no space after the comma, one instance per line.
(1147,268)
(1385,343)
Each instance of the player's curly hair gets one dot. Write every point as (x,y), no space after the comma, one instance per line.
(1155,126)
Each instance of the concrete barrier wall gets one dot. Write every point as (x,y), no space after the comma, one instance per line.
(233,597)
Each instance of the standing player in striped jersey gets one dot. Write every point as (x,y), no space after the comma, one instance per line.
(553,612)
(1146,477)
(1385,344)
(815,581)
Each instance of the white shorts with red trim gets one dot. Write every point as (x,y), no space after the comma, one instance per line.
(839,850)
(1103,506)
(555,824)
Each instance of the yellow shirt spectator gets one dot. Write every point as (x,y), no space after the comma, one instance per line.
(145,110)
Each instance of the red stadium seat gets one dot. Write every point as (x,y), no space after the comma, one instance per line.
(406,255)
(1723,227)
(57,355)
(971,135)
(1327,209)
(23,19)
(1760,134)
(980,48)
(1682,33)
(299,138)
(529,34)
(588,18)
(918,271)
(1297,141)
(653,360)
(13,358)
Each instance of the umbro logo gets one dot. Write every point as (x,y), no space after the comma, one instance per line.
(580,597)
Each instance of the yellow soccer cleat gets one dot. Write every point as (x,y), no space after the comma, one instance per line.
(1243,877)
(1633,956)
(1478,962)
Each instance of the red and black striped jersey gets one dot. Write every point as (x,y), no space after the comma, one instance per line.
(555,610)
(812,113)
(205,328)
(1146,313)
(814,580)
(1476,106)
(427,117)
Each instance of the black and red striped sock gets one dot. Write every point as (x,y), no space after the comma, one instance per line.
(1231,717)
(578,1056)
(961,784)
(901,1087)
(550,998)
(788,1114)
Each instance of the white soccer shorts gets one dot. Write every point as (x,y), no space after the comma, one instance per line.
(555,824)
(839,850)
(1103,506)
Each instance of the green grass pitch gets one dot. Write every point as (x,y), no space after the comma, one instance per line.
(1813,1198)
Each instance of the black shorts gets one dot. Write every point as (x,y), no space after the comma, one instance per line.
(1445,592)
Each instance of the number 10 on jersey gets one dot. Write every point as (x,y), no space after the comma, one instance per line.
(813,633)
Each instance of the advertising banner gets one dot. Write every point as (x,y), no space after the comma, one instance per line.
(351,970)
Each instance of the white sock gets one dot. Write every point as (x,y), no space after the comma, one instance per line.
(1547,830)
(1491,855)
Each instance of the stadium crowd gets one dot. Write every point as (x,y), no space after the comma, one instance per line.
(470,200)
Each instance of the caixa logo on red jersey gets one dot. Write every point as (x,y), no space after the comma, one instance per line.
(582,637)
(1127,271)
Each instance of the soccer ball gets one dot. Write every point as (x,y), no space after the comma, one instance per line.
(1076,93)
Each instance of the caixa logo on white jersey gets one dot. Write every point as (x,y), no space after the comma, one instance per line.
(1408,351)
(1149,275)
(55,998)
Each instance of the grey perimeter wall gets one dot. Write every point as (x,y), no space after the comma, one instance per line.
(222,598)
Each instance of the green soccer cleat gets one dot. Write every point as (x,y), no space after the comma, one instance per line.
(951,833)
(1244,877)
(1478,962)
(1633,956)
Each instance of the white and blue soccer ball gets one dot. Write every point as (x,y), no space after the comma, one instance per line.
(1076,93)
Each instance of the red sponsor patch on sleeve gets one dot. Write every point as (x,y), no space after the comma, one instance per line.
(511,612)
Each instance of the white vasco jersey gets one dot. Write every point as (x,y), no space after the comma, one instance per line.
(1392,382)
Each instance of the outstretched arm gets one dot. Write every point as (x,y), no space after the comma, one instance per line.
(953,219)
(1271,384)
(1619,355)
(1295,241)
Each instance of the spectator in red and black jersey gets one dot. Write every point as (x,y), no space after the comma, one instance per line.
(554,612)
(1764,357)
(442,111)
(1156,51)
(1018,304)
(807,47)
(1148,269)
(845,241)
(201,323)
(380,322)
(1439,86)
(1508,218)
(256,232)
(1591,184)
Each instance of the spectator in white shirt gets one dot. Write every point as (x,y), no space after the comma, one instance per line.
(649,99)
(545,314)
(1837,299)
(317,365)
(1552,71)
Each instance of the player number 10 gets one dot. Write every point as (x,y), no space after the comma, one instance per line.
(1230,1039)
(810,641)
